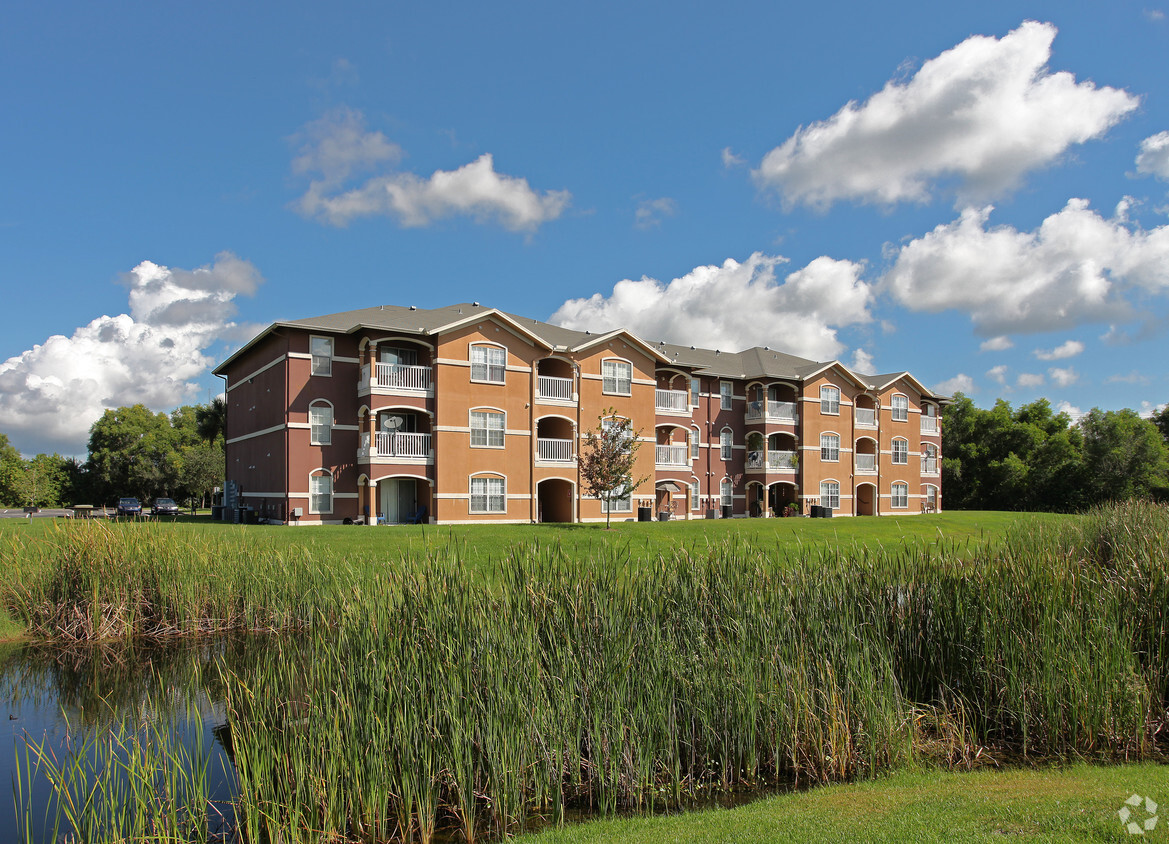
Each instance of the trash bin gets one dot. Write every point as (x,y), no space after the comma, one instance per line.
(726,511)
(825,512)
(664,516)
(712,513)
(816,511)
(645,514)
(217,512)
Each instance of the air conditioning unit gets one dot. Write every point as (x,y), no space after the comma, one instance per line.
(297,512)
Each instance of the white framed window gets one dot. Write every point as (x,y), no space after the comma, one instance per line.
(488,363)
(487,427)
(830,494)
(617,377)
(900,495)
(694,493)
(611,422)
(618,504)
(900,407)
(830,400)
(488,495)
(901,451)
(830,448)
(321,349)
(726,394)
(320,492)
(695,443)
(726,442)
(727,493)
(396,356)
(320,420)
(695,390)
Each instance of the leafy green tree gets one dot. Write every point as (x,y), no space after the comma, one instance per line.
(609,459)
(1125,456)
(201,468)
(130,452)
(11,473)
(211,420)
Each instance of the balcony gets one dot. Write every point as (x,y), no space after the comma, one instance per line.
(774,461)
(668,456)
(554,451)
(672,401)
(397,378)
(550,388)
(929,465)
(772,411)
(866,417)
(866,463)
(395,445)
(929,424)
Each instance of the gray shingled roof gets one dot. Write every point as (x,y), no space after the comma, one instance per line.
(757,362)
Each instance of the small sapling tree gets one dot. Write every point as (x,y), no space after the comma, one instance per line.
(609,459)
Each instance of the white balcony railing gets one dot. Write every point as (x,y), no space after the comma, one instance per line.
(866,462)
(781,460)
(397,376)
(396,444)
(671,455)
(551,387)
(929,424)
(866,417)
(929,465)
(676,401)
(773,460)
(772,411)
(556,451)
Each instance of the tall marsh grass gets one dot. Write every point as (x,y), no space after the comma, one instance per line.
(419,698)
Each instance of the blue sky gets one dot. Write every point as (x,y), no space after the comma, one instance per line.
(974,192)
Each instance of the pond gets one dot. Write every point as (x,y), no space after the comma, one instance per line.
(65,701)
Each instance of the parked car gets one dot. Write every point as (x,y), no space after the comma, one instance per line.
(164,507)
(129,507)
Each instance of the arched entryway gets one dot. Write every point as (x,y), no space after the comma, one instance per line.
(780,495)
(556,501)
(866,500)
(403,500)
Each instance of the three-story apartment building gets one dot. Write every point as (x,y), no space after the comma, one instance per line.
(467,414)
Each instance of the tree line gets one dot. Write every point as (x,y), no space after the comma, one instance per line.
(1032,458)
(132,452)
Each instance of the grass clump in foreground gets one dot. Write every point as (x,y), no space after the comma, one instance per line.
(1073,804)
(421,697)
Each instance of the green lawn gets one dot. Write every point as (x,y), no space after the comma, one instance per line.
(479,544)
(1077,803)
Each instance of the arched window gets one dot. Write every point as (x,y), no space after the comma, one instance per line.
(900,498)
(900,407)
(487,428)
(695,442)
(726,443)
(830,448)
(320,420)
(488,494)
(320,492)
(830,400)
(900,451)
(488,363)
(694,492)
(930,459)
(616,377)
(830,494)
(727,492)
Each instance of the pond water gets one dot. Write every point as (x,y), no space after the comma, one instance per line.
(56,698)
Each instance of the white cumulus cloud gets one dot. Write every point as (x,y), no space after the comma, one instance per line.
(338,146)
(1153,159)
(735,306)
(1066,350)
(1029,379)
(1063,377)
(998,373)
(51,394)
(1076,268)
(960,383)
(862,362)
(996,344)
(981,115)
